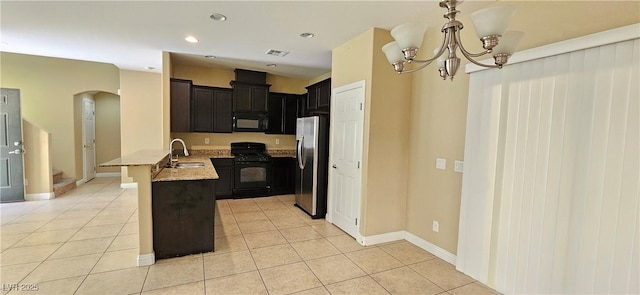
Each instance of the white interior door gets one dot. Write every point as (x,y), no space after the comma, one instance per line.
(89,138)
(345,175)
(11,151)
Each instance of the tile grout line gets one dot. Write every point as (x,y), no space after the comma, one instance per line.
(53,252)
(105,250)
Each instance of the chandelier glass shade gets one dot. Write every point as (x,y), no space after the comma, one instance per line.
(490,25)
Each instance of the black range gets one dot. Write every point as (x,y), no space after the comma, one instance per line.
(252,172)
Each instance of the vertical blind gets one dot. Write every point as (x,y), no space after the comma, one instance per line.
(565,189)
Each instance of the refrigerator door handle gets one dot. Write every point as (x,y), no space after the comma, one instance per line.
(300,145)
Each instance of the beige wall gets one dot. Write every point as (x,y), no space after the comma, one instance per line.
(387,161)
(141,114)
(386,130)
(166,97)
(225,139)
(438,108)
(222,77)
(320,78)
(107,129)
(77,131)
(47,86)
(37,160)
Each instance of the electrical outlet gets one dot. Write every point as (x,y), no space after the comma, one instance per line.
(441,163)
(458,166)
(277,140)
(206,140)
(436,226)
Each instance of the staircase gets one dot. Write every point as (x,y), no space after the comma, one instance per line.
(62,185)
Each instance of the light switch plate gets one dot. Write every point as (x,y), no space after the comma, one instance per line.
(458,166)
(436,226)
(441,163)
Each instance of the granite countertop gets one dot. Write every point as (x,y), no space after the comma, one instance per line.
(139,158)
(177,174)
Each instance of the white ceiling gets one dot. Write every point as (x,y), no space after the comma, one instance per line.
(133,35)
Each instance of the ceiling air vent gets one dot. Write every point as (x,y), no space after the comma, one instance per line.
(279,53)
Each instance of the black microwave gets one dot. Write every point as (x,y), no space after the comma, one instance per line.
(250,122)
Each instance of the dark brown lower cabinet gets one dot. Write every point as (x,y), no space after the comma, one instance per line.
(183,213)
(283,176)
(224,183)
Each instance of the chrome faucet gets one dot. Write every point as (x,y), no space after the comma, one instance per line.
(184,146)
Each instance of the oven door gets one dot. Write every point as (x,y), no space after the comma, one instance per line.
(252,179)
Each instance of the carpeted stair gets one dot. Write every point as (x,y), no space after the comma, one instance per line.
(62,185)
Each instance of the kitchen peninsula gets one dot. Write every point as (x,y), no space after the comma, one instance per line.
(146,167)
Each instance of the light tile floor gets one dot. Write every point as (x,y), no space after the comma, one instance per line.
(85,242)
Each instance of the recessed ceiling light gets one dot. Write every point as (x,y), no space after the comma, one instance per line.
(218,17)
(272,65)
(191,39)
(307,35)
(150,68)
(210,56)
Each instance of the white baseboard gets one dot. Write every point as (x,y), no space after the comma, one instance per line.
(146,259)
(129,185)
(411,238)
(80,182)
(108,174)
(431,248)
(383,238)
(39,197)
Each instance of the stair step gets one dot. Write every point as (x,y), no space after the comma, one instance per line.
(57,176)
(64,185)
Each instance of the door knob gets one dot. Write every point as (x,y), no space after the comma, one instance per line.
(334,166)
(16,152)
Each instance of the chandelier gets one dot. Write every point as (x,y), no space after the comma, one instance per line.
(490,25)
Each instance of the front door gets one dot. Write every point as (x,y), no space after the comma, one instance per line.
(89,138)
(11,158)
(346,150)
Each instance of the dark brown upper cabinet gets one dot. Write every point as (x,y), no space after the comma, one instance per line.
(180,105)
(250,98)
(283,112)
(318,98)
(212,109)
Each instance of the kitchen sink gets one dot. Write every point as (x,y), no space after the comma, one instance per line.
(184,165)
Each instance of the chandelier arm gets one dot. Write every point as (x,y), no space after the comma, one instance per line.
(478,63)
(468,54)
(422,66)
(445,41)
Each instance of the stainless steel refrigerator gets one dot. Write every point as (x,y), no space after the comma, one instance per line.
(312,153)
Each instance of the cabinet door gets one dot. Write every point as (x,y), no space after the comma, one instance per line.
(283,176)
(242,97)
(183,213)
(324,95)
(224,184)
(275,108)
(203,108)
(302,105)
(223,110)
(290,114)
(312,99)
(259,96)
(180,105)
